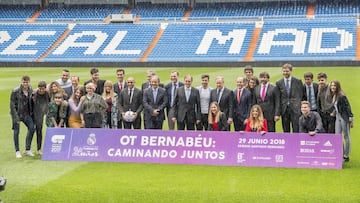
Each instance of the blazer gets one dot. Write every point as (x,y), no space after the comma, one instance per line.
(168,89)
(149,103)
(99,86)
(226,101)
(136,105)
(222,124)
(242,110)
(117,87)
(271,103)
(189,109)
(293,100)
(344,108)
(248,126)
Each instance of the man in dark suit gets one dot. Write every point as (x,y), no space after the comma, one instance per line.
(170,93)
(130,99)
(186,106)
(225,99)
(99,84)
(310,91)
(267,96)
(119,86)
(121,83)
(291,94)
(154,102)
(242,105)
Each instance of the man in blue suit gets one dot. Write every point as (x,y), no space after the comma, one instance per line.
(154,102)
(242,105)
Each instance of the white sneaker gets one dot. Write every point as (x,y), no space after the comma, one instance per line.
(18,155)
(29,153)
(40,152)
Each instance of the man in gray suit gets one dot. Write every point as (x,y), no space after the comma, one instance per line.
(225,98)
(130,99)
(186,106)
(267,96)
(154,102)
(170,89)
(291,94)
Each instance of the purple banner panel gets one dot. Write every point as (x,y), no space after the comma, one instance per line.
(194,147)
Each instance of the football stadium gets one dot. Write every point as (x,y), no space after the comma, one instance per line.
(43,39)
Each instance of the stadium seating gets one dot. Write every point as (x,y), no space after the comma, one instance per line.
(17,12)
(159,11)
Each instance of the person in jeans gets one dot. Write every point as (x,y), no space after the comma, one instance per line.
(344,116)
(21,111)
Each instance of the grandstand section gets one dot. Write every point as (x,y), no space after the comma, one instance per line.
(181,31)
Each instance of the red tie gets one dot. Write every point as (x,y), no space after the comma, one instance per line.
(263,92)
(120,87)
(239,96)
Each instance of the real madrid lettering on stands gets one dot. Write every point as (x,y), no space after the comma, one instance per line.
(105,42)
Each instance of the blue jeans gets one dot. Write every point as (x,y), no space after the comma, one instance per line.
(28,121)
(343,127)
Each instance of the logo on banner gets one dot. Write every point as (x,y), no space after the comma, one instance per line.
(328,144)
(57,141)
(88,150)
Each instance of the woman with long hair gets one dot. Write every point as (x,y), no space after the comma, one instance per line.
(74,106)
(54,88)
(57,112)
(256,121)
(217,119)
(110,97)
(344,116)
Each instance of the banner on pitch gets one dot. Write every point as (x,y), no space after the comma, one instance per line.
(296,150)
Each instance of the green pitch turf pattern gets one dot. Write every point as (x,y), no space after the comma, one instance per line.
(31,180)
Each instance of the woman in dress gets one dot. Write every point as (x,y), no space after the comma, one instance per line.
(344,116)
(74,105)
(217,119)
(256,121)
(110,115)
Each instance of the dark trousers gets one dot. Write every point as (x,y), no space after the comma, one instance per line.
(93,120)
(204,123)
(39,134)
(190,125)
(120,124)
(288,118)
(238,124)
(29,123)
(271,125)
(328,122)
(154,124)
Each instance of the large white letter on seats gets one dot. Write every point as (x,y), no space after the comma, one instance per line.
(4,36)
(235,47)
(111,47)
(23,40)
(92,47)
(298,44)
(346,40)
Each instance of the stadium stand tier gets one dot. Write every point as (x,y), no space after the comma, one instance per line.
(242,32)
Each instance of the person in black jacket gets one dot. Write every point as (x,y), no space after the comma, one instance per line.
(21,111)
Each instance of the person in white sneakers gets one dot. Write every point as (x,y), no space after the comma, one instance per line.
(21,111)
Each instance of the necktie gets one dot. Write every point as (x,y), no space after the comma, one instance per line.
(239,96)
(131,95)
(218,95)
(173,95)
(263,92)
(154,94)
(187,94)
(120,86)
(287,86)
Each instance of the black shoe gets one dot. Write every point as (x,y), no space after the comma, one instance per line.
(346,159)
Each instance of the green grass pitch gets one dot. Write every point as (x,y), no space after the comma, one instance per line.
(31,180)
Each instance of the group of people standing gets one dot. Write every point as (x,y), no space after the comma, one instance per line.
(255,105)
